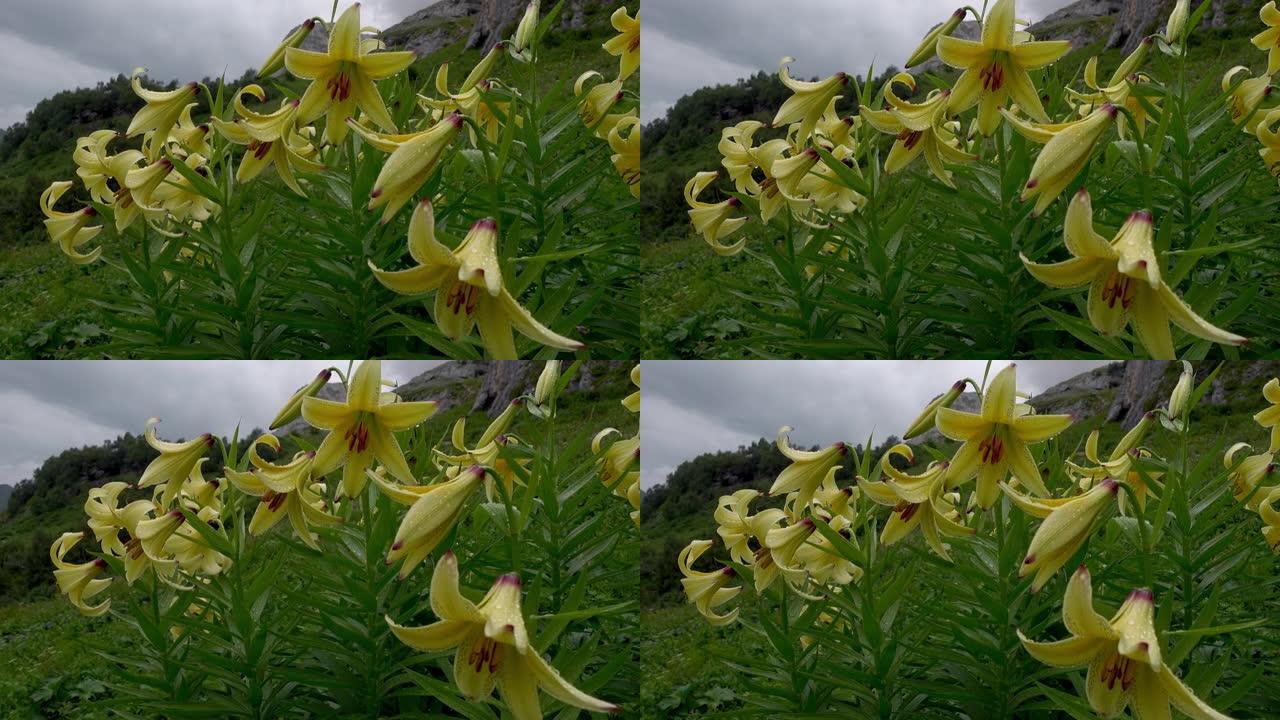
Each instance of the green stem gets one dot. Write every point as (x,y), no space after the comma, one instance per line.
(373,618)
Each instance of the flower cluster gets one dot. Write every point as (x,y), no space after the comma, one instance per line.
(179,532)
(813,537)
(811,172)
(1250,477)
(1245,98)
(618,463)
(166,182)
(598,107)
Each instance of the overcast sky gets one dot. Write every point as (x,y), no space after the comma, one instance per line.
(691,408)
(55,405)
(52,45)
(688,45)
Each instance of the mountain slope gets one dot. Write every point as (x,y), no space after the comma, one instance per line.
(41,294)
(1112,398)
(52,501)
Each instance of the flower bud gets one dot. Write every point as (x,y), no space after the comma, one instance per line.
(925,422)
(545,390)
(1181,393)
(1177,22)
(293,408)
(524,31)
(276,61)
(929,45)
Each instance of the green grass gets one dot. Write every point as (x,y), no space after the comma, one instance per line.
(683,663)
(47,671)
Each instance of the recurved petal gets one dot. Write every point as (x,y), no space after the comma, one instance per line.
(404,415)
(557,687)
(370,101)
(1035,428)
(1151,323)
(959,425)
(1023,466)
(495,330)
(414,281)
(309,65)
(526,325)
(1187,319)
(1077,608)
(385,64)
(1066,274)
(324,414)
(959,53)
(1072,652)
(1002,393)
(344,36)
(446,601)
(1033,55)
(1078,230)
(1185,700)
(436,636)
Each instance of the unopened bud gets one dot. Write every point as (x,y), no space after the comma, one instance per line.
(293,408)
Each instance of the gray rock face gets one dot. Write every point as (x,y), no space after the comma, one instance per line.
(1139,18)
(1138,391)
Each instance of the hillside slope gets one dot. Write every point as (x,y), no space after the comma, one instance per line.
(52,501)
(1117,395)
(41,293)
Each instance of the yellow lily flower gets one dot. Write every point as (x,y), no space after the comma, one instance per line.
(713,220)
(342,79)
(736,146)
(485,451)
(104,516)
(769,157)
(189,549)
(707,590)
(361,428)
(69,230)
(1271,519)
(199,491)
(286,490)
(921,129)
(1270,417)
(614,463)
(928,418)
(807,470)
(1067,149)
(808,102)
(175,463)
(106,520)
(1248,476)
(413,158)
(272,139)
(835,130)
(996,440)
(126,209)
(1118,465)
(79,581)
(1269,40)
(91,158)
(737,527)
(626,151)
(192,136)
(598,101)
(1246,98)
(275,61)
(995,68)
(625,45)
(179,198)
(492,646)
(917,501)
(468,285)
(824,189)
(433,511)
(1270,139)
(784,542)
(159,115)
(1123,656)
(1124,282)
(1068,523)
(834,500)
(1118,93)
(632,401)
(928,47)
(822,563)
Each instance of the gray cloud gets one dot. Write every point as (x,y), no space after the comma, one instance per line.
(689,45)
(56,405)
(53,45)
(692,408)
